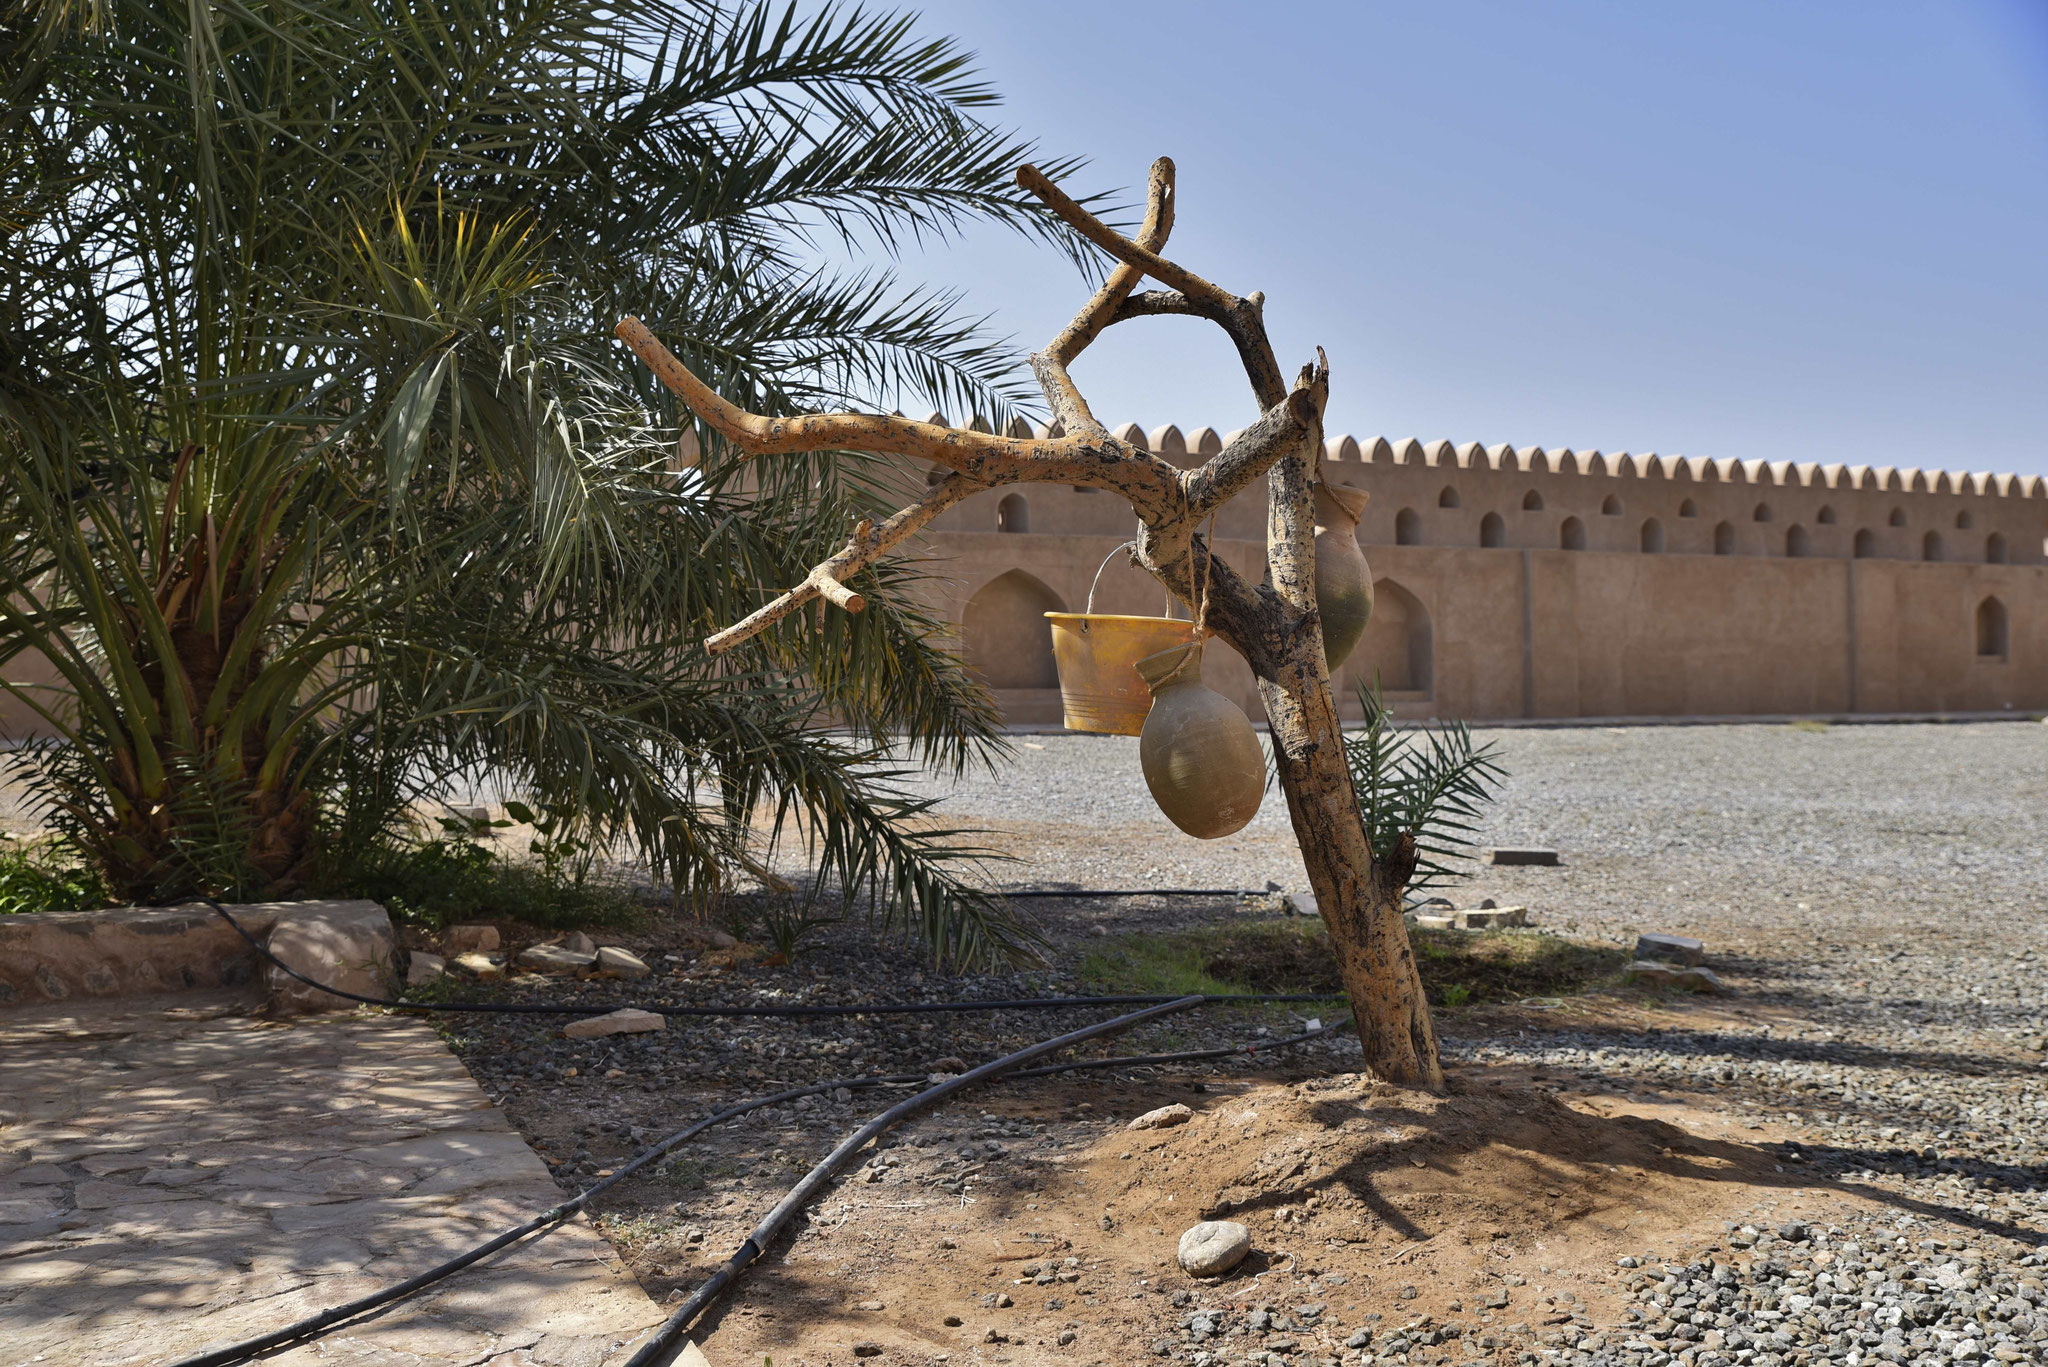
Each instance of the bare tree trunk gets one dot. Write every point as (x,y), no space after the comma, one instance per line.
(1274,625)
(1360,900)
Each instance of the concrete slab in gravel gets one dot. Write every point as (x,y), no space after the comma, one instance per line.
(172,1178)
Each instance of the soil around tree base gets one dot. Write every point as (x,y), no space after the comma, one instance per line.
(1480,1210)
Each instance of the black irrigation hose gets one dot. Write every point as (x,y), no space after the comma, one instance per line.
(1082,894)
(659,1350)
(1185,1055)
(547,1220)
(798,1012)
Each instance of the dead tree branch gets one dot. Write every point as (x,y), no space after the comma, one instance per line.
(868,544)
(1275,624)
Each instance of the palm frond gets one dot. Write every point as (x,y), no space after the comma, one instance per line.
(1427,787)
(321,479)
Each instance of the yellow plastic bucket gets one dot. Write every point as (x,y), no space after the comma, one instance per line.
(1098,658)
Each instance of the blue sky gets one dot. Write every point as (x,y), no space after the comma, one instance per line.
(1815,231)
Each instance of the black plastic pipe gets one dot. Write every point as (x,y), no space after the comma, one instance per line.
(659,1350)
(315,1325)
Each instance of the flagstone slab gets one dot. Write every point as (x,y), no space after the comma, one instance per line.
(174,1178)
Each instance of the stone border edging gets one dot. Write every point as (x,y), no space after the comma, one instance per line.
(125,951)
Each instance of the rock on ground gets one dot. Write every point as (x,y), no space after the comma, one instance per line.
(627,1021)
(1159,1119)
(470,937)
(614,962)
(348,945)
(1670,949)
(555,958)
(1213,1247)
(1651,973)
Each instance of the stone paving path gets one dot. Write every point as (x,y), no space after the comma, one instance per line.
(174,1175)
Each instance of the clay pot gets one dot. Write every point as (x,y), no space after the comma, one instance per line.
(1343,579)
(1202,760)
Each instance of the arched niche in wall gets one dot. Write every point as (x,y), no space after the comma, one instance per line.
(1826,516)
(1688,509)
(1866,544)
(1572,535)
(1493,531)
(1994,639)
(1407,528)
(1653,537)
(1930,546)
(1004,634)
(1994,549)
(1610,506)
(1898,518)
(1532,502)
(1448,498)
(1399,647)
(1724,539)
(1762,513)
(1797,543)
(1964,521)
(1013,514)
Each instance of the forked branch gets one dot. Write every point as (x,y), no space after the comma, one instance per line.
(1242,319)
(1050,365)
(1169,501)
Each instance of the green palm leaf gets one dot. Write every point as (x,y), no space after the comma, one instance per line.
(322,482)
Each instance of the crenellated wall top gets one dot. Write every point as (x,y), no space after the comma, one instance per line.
(1172,442)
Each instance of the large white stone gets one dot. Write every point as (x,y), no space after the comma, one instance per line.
(554,958)
(625,1021)
(1159,1119)
(614,962)
(1213,1247)
(349,945)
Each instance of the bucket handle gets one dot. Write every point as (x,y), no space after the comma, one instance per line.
(1090,610)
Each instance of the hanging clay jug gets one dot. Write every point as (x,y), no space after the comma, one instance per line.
(1202,760)
(1343,580)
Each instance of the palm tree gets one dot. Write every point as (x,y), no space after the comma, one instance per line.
(321,481)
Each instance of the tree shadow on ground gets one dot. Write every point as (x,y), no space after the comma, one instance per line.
(1583,1162)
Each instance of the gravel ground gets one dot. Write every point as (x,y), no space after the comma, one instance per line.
(1876,895)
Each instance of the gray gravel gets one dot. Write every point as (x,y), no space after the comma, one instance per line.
(1878,897)
(1875,897)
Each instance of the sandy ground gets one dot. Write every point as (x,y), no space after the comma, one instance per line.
(1873,896)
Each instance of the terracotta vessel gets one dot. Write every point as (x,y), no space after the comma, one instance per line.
(1343,579)
(1097,655)
(1202,760)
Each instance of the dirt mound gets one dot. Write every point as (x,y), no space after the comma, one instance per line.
(1467,1183)
(1495,1209)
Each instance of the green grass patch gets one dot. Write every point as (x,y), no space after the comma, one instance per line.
(445,882)
(43,873)
(1458,968)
